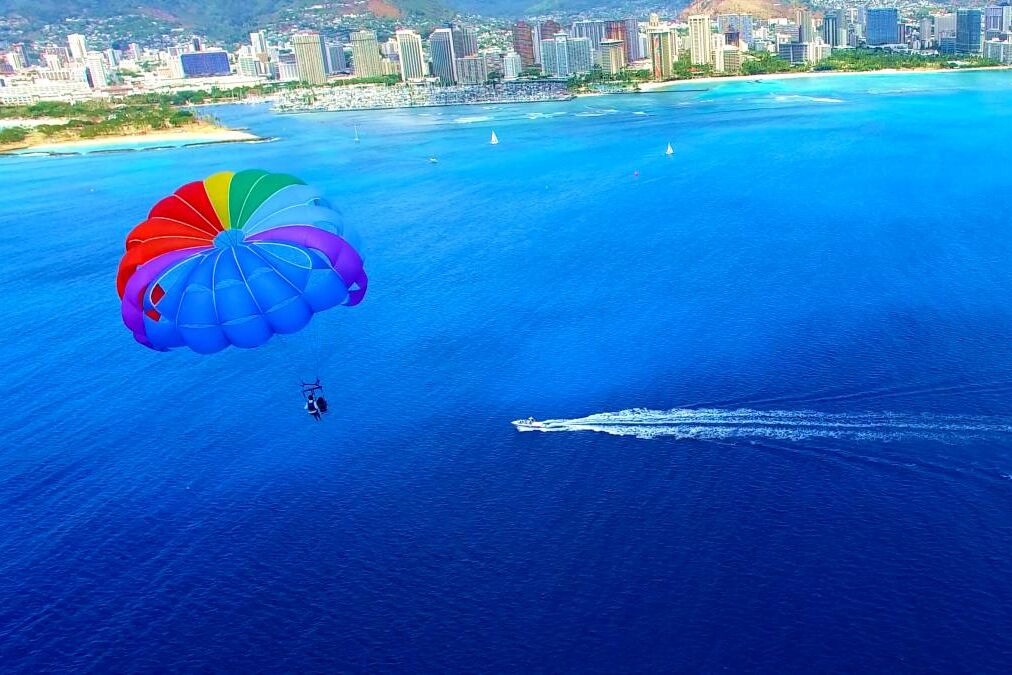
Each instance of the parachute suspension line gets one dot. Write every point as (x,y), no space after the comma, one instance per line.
(317,345)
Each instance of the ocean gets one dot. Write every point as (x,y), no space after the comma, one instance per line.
(777,366)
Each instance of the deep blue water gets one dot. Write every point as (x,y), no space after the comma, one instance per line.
(830,255)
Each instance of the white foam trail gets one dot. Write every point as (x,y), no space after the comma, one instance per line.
(472,119)
(790,98)
(744,423)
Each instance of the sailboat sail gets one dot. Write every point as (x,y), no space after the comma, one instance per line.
(495,139)
(356,134)
(670,150)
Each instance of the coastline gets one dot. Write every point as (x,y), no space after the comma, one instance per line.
(671,84)
(138,141)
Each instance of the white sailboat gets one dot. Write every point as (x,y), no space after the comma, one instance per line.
(670,151)
(495,139)
(356,134)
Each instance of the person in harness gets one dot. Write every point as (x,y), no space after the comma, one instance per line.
(313,408)
(315,405)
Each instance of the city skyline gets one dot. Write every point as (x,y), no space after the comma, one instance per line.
(462,53)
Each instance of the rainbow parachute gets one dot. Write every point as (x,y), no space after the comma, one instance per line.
(233,260)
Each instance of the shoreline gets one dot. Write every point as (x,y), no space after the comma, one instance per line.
(137,141)
(648,87)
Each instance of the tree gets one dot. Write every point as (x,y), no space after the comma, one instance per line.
(13,135)
(761,63)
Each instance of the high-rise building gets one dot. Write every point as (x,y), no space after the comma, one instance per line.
(732,58)
(699,39)
(926,31)
(549,29)
(442,55)
(793,52)
(663,52)
(52,61)
(843,25)
(883,26)
(562,68)
(627,32)
(633,47)
(248,66)
(549,64)
(209,63)
(512,66)
(78,46)
(409,46)
(968,23)
(471,70)
(258,41)
(742,24)
(717,45)
(579,55)
(15,61)
(336,61)
(998,50)
(613,54)
(806,25)
(523,43)
(997,21)
(595,31)
(465,40)
(830,30)
(288,69)
(945,33)
(98,74)
(310,58)
(494,64)
(565,56)
(365,54)
(945,24)
(17,57)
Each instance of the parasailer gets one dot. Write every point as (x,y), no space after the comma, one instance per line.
(313,408)
(234,260)
(316,404)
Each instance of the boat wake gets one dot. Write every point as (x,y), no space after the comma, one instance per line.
(790,425)
(797,98)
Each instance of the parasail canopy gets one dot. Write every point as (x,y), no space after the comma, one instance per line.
(235,259)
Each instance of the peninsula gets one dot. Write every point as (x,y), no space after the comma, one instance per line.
(52,126)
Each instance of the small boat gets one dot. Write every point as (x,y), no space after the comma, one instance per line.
(433,160)
(357,139)
(670,151)
(529,424)
(495,139)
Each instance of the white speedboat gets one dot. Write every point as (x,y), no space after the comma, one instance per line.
(529,424)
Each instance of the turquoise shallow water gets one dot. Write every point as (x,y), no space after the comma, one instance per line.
(798,324)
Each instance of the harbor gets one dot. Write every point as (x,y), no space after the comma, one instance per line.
(373,97)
